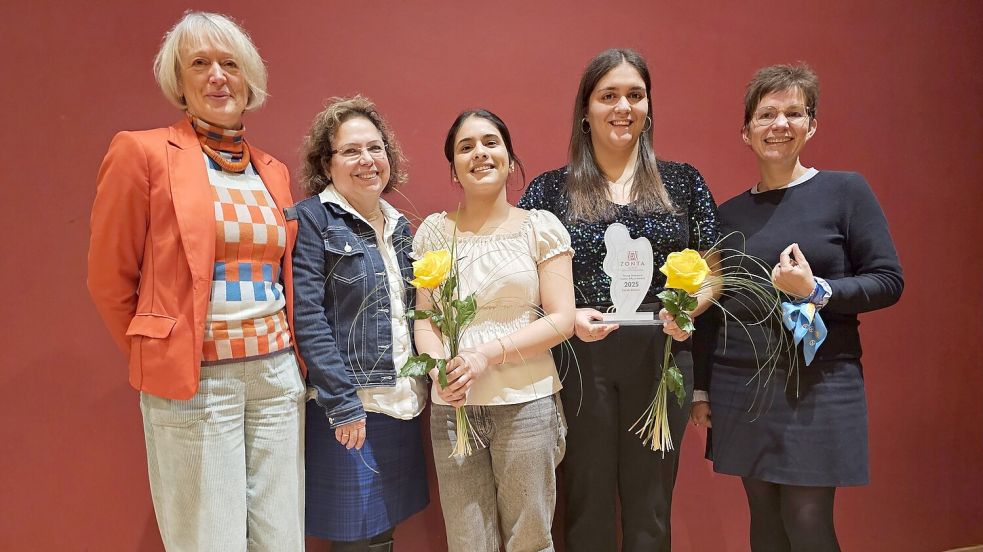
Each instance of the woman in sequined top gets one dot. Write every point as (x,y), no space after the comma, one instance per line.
(189,267)
(614,176)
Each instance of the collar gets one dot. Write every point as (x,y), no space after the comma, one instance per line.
(810,172)
(390,213)
(219,139)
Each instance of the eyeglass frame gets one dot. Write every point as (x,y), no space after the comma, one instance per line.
(362,149)
(810,113)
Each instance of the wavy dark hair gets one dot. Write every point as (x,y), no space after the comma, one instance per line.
(496,121)
(316,151)
(777,78)
(586,183)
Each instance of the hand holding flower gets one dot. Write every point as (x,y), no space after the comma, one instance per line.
(463,370)
(792,274)
(670,327)
(686,273)
(447,315)
(453,398)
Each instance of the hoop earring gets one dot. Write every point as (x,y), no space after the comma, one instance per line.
(649,121)
(584,126)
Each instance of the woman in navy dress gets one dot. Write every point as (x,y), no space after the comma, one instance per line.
(798,433)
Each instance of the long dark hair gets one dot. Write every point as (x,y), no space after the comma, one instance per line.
(499,125)
(585,183)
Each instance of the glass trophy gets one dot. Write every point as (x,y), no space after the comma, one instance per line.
(629,264)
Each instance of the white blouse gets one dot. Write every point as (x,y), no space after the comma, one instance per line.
(502,271)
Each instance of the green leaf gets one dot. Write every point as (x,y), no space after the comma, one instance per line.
(415,314)
(685,322)
(689,303)
(674,382)
(668,298)
(441,372)
(447,289)
(418,365)
(466,310)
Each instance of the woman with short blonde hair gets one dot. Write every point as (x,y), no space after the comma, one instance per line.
(189,267)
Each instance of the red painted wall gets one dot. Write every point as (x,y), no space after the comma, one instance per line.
(900,103)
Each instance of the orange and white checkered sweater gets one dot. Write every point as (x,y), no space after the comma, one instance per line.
(246,315)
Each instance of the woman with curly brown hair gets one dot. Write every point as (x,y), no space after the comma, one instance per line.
(365,466)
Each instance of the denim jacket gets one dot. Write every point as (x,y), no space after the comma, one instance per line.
(342,313)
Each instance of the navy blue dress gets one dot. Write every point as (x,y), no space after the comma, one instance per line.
(803,425)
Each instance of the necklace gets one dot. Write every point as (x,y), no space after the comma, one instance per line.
(374,216)
(230,166)
(228,141)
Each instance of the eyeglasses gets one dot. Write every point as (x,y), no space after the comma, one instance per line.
(795,115)
(352,152)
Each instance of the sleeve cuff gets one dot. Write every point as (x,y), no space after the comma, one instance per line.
(700,395)
(821,294)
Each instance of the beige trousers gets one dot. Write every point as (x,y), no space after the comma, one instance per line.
(227,466)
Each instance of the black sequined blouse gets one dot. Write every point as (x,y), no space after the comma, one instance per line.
(695,227)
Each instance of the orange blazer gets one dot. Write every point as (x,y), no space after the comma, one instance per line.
(152,252)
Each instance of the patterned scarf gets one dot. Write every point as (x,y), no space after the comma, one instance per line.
(226,147)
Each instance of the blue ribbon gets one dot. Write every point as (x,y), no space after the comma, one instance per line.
(806,325)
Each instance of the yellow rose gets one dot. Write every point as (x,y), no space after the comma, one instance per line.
(685,270)
(431,271)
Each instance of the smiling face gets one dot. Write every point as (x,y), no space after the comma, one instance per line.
(617,108)
(212,85)
(481,159)
(359,166)
(780,141)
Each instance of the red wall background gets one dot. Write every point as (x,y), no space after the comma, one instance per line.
(901,103)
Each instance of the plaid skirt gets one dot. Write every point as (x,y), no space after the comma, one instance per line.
(354,495)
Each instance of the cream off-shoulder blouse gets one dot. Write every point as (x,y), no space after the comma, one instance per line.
(501,269)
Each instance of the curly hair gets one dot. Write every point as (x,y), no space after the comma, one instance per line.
(316,151)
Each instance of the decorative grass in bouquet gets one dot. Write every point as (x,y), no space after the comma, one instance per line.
(437,274)
(688,275)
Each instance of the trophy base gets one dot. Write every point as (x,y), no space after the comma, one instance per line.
(630,319)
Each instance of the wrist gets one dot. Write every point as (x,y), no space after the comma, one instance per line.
(820,293)
(489,351)
(499,354)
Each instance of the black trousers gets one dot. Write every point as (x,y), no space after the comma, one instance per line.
(617,381)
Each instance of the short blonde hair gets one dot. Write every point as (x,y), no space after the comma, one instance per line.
(199,28)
